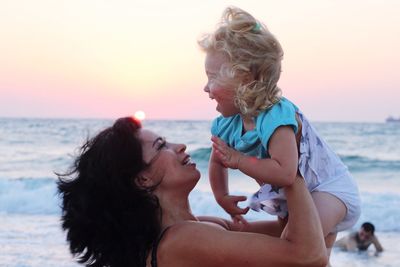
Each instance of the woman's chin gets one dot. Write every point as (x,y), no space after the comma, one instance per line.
(196,177)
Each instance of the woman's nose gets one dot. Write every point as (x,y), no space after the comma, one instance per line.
(180,148)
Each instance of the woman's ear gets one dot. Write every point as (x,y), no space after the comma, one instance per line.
(143,180)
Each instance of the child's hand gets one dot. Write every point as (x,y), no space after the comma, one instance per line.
(228,156)
(239,223)
(230,204)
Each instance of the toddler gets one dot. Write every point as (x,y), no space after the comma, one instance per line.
(263,134)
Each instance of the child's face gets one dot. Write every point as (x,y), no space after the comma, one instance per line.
(223,95)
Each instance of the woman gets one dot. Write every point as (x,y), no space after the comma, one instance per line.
(125,203)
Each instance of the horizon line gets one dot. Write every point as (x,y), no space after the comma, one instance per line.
(157,119)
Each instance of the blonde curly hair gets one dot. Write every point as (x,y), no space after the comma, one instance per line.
(251,50)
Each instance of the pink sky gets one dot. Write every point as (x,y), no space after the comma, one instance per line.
(98,58)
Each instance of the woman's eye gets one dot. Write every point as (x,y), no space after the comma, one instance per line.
(161,144)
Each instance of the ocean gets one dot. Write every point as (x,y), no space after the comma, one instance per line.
(32,150)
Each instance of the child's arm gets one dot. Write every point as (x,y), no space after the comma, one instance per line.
(219,184)
(279,170)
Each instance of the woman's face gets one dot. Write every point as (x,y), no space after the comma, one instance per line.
(169,164)
(224,96)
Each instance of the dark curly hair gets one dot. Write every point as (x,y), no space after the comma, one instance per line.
(109,220)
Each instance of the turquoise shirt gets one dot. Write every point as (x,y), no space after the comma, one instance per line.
(255,142)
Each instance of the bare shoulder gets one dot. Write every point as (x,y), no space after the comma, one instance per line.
(225,224)
(196,227)
(184,233)
(186,244)
(207,244)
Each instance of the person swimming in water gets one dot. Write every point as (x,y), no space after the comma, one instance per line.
(360,240)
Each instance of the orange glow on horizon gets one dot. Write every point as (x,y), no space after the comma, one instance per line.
(108,58)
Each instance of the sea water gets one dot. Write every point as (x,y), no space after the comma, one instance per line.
(31,150)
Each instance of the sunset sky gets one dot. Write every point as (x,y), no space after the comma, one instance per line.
(106,59)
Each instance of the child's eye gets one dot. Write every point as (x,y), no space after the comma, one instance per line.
(211,76)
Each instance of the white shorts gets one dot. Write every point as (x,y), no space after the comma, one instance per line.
(273,201)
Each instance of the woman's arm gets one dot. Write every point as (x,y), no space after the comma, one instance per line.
(272,228)
(225,224)
(199,244)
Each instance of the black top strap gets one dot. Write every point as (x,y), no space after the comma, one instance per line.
(155,246)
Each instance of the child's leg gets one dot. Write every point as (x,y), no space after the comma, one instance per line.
(331,211)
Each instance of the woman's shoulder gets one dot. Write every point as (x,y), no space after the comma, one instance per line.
(186,242)
(203,227)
